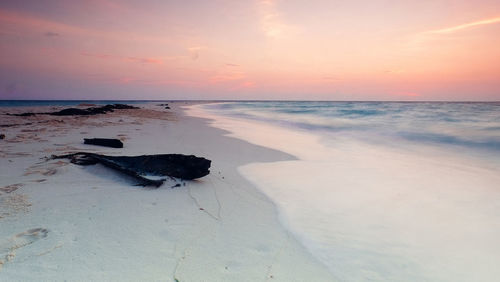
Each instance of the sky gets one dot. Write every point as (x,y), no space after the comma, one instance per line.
(258,49)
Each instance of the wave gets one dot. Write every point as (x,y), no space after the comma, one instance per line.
(472,125)
(381,191)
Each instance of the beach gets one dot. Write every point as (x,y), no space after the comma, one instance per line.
(297,191)
(259,140)
(380,191)
(60,221)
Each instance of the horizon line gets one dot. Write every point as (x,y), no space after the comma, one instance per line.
(250,100)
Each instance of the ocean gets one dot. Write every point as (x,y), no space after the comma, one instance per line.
(469,125)
(381,191)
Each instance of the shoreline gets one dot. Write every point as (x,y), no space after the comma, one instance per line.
(372,211)
(219,228)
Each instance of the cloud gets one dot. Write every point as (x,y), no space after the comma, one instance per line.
(151,82)
(465,26)
(102,56)
(417,41)
(194,52)
(145,60)
(17,22)
(21,22)
(271,20)
(232,65)
(131,59)
(227,76)
(128,80)
(51,34)
(243,85)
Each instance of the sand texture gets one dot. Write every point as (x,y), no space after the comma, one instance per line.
(60,221)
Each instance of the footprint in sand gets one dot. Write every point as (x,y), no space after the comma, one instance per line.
(9,246)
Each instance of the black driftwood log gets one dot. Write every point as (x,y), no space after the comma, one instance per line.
(147,168)
(106,142)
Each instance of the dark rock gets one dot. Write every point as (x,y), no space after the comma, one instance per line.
(22,115)
(92,111)
(106,142)
(147,168)
(167,107)
(71,112)
(2,136)
(82,112)
(26,114)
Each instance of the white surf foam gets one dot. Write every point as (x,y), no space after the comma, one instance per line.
(372,212)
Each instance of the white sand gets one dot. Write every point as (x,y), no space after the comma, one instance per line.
(59,221)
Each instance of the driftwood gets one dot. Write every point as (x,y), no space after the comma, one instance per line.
(113,143)
(147,169)
(81,112)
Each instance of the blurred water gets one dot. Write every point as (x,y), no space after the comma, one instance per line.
(382,191)
(466,124)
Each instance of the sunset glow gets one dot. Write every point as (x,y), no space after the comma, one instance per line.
(265,49)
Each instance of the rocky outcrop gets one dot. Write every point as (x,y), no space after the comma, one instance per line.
(82,112)
(92,110)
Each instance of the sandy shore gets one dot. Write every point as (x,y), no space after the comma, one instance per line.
(59,221)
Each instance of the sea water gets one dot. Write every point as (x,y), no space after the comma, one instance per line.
(381,191)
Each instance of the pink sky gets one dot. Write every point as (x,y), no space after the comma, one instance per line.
(266,49)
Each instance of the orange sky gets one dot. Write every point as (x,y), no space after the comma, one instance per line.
(267,49)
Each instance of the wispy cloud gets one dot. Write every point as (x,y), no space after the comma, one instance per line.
(20,21)
(227,76)
(271,20)
(145,60)
(132,59)
(128,80)
(102,56)
(51,34)
(465,26)
(194,52)
(394,71)
(17,23)
(151,82)
(243,85)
